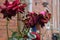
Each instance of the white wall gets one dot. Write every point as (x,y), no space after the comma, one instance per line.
(30,5)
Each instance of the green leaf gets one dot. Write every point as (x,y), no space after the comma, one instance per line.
(14,34)
(10,38)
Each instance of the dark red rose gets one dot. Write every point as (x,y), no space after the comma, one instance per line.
(11,9)
(32,16)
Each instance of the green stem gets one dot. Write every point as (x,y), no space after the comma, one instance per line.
(18,25)
(7,29)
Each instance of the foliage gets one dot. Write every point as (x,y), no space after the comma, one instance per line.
(15,35)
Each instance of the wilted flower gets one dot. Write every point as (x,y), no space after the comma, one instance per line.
(32,16)
(44,17)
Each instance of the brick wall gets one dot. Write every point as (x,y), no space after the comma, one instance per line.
(12,27)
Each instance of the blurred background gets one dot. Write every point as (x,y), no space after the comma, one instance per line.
(51,29)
